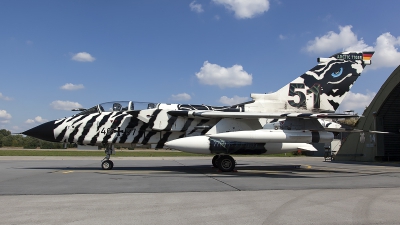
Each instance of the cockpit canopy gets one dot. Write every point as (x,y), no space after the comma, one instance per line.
(118,106)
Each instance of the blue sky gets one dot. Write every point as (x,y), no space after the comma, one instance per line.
(58,55)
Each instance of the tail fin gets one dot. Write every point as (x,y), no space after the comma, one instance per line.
(322,88)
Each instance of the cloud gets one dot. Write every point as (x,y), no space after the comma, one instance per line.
(386,52)
(332,41)
(83,57)
(245,9)
(213,74)
(29,121)
(385,47)
(181,97)
(65,105)
(232,101)
(28,42)
(357,101)
(282,37)
(5,115)
(196,7)
(5,97)
(72,87)
(38,119)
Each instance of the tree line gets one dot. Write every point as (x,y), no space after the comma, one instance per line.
(9,140)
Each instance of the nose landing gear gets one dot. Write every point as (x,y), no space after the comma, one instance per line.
(106,163)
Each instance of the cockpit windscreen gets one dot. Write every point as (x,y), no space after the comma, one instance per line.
(121,106)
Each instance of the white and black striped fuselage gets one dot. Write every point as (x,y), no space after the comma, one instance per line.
(127,129)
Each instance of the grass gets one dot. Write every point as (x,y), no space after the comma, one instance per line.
(101,153)
(91,153)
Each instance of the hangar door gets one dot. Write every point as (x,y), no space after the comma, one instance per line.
(388,120)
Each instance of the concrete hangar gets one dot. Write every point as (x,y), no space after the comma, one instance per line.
(382,115)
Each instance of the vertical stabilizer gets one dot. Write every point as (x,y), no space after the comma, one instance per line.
(321,89)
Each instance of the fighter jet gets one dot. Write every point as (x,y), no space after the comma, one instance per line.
(314,95)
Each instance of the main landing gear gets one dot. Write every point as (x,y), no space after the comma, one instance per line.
(106,163)
(225,163)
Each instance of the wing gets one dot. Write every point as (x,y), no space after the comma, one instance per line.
(256,115)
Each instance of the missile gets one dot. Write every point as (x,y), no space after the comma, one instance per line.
(275,136)
(207,145)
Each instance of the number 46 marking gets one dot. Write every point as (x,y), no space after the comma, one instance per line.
(315,90)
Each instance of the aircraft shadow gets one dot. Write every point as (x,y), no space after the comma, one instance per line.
(276,171)
(386,164)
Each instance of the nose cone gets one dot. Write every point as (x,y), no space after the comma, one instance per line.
(196,144)
(44,131)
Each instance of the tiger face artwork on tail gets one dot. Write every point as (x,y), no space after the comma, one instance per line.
(323,87)
(334,78)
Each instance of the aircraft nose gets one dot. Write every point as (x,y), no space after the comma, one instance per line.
(44,131)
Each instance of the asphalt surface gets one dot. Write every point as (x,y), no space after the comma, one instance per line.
(183,190)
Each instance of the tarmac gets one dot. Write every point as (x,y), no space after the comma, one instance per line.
(187,190)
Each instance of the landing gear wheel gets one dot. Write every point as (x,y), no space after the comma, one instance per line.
(107,165)
(214,161)
(226,163)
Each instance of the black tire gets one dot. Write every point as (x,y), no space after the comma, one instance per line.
(112,164)
(214,161)
(107,165)
(226,163)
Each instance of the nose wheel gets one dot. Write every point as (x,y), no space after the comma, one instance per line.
(107,165)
